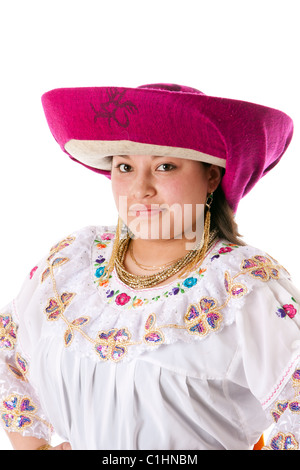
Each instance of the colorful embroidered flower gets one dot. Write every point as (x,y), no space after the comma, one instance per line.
(175,291)
(17,412)
(283,442)
(235,290)
(260,267)
(287,309)
(190,282)
(56,307)
(63,244)
(203,317)
(122,299)
(107,236)
(112,344)
(279,409)
(55,264)
(8,332)
(153,335)
(296,378)
(101,245)
(60,246)
(100,260)
(76,324)
(110,293)
(137,303)
(225,249)
(21,369)
(99,272)
(294,406)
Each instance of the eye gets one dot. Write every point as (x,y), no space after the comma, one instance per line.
(124,167)
(166,167)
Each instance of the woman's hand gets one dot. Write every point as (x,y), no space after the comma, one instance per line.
(62,446)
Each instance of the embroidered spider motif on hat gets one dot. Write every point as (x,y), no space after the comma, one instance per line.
(115,108)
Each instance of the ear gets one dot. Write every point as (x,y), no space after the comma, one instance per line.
(214,177)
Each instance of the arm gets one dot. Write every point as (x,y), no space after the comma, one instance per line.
(20,442)
(285,413)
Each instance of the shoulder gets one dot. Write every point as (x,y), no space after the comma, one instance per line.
(91,233)
(82,240)
(246,260)
(239,277)
(73,247)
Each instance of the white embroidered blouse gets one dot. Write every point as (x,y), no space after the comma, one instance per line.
(206,362)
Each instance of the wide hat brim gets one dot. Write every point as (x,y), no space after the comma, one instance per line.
(93,124)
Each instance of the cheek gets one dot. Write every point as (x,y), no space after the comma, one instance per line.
(119,190)
(188,190)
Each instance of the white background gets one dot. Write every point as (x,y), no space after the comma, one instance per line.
(240,49)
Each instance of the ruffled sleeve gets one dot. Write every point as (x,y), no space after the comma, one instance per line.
(20,407)
(269,332)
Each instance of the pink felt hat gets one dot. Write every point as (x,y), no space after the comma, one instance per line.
(93,124)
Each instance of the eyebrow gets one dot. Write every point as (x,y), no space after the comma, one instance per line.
(153,156)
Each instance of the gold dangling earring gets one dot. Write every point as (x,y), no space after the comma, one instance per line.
(205,242)
(115,248)
(208,204)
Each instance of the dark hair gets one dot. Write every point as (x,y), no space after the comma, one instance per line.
(223,218)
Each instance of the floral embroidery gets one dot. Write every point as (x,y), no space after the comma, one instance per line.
(56,306)
(107,236)
(280,407)
(200,319)
(55,264)
(8,332)
(69,334)
(203,317)
(283,441)
(18,412)
(20,369)
(294,404)
(287,310)
(153,335)
(59,246)
(58,261)
(260,267)
(190,282)
(296,380)
(235,290)
(123,299)
(112,344)
(55,310)
(226,248)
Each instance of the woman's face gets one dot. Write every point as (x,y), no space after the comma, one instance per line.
(162,197)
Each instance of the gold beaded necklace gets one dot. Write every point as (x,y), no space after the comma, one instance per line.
(135,281)
(183,265)
(144,266)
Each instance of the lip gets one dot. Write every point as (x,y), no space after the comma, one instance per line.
(145,210)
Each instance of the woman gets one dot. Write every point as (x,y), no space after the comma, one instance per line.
(168,331)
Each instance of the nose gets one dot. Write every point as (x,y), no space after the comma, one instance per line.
(142,186)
